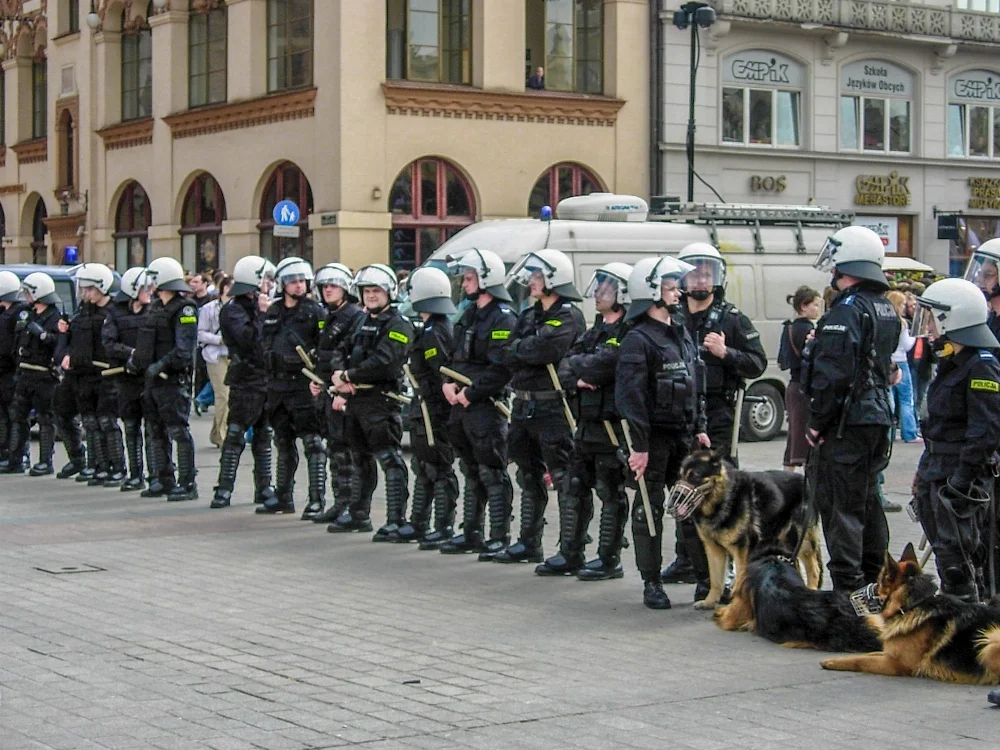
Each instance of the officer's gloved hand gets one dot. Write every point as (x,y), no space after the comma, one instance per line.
(155,369)
(130,366)
(36,329)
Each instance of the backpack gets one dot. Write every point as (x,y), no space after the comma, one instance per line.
(787,353)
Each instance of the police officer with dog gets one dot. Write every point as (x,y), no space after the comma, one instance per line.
(955,477)
(658,395)
(477,424)
(589,371)
(541,438)
(847,374)
(241,322)
(731,349)
(11,307)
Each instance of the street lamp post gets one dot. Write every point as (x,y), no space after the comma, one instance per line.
(693,14)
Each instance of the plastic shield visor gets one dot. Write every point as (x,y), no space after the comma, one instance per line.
(825,260)
(707,274)
(373,276)
(530,264)
(604,284)
(982,271)
(924,323)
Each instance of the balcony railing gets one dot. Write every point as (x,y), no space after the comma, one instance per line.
(871,15)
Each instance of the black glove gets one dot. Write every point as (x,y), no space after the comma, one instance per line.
(36,329)
(156,368)
(130,366)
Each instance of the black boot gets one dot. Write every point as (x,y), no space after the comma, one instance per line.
(423,489)
(528,547)
(473,509)
(186,488)
(445,497)
(994,697)
(340,481)
(957,582)
(133,447)
(355,515)
(15,457)
(229,463)
(653,595)
(396,496)
(499,498)
(160,482)
(570,557)
(115,451)
(263,457)
(614,514)
(316,461)
(93,450)
(46,445)
(281,502)
(679,571)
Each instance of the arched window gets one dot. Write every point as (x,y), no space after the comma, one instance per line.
(39,99)
(39,253)
(561,181)
(202,243)
(287,182)
(66,136)
(137,68)
(289,44)
(207,34)
(132,222)
(430,201)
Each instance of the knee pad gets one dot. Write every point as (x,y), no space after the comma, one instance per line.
(44,420)
(313,445)
(90,423)
(390,459)
(179,433)
(107,424)
(235,434)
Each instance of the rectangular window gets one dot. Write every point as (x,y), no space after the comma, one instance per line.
(39,99)
(429,40)
(761,117)
(973,131)
(3,107)
(574,45)
(137,75)
(289,44)
(207,58)
(877,125)
(74,17)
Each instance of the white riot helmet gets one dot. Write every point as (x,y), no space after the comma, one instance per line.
(248,274)
(554,266)
(292,269)
(984,267)
(41,288)
(854,251)
(380,275)
(10,286)
(93,275)
(133,281)
(167,275)
(610,275)
(646,281)
(488,267)
(708,270)
(336,274)
(954,309)
(430,291)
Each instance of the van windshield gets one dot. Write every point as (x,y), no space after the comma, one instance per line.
(64,288)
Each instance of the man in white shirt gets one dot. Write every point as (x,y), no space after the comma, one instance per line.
(216,356)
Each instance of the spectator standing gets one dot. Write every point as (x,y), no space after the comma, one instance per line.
(903,390)
(808,306)
(216,357)
(537,79)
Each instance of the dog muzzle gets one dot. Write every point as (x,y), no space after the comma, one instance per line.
(684,499)
(866,601)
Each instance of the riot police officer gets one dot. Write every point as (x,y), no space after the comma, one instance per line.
(84,391)
(731,349)
(241,323)
(954,483)
(983,270)
(165,354)
(477,424)
(335,285)
(37,330)
(369,373)
(291,327)
(847,378)
(120,337)
(540,436)
(658,394)
(589,370)
(11,307)
(434,477)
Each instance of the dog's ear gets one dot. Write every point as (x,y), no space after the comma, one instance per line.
(909,555)
(889,566)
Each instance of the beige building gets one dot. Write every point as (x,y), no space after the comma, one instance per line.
(890,109)
(135,129)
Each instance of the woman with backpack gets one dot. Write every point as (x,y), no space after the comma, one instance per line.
(808,306)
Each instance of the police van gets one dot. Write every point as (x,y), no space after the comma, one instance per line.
(769,251)
(62,277)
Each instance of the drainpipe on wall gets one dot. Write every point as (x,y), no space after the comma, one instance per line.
(655,97)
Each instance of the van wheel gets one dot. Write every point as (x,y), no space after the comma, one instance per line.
(763,420)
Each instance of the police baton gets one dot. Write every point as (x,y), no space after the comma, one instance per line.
(734,440)
(424,411)
(565,402)
(643,491)
(464,380)
(304,357)
(112,371)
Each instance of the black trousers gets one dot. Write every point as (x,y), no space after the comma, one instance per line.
(33,392)
(479,435)
(842,474)
(373,426)
(6,411)
(667,451)
(595,467)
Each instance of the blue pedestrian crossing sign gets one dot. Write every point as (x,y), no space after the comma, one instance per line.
(286,214)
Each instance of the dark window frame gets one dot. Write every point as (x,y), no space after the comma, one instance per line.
(282,80)
(38,232)
(39,99)
(130,69)
(446,54)
(73,17)
(578,174)
(3,107)
(276,248)
(210,18)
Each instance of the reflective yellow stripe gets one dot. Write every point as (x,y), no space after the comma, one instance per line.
(612,342)
(188,319)
(500,335)
(322,325)
(553,323)
(402,338)
(430,353)
(984,385)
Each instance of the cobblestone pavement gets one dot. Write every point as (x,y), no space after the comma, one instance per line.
(181,627)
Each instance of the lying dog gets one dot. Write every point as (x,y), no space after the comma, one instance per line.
(774,603)
(928,634)
(737,511)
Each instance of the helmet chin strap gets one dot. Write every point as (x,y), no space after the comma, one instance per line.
(699,294)
(473,296)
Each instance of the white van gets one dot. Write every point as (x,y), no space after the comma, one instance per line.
(769,252)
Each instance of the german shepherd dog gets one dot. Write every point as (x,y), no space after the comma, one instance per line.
(737,511)
(774,603)
(928,634)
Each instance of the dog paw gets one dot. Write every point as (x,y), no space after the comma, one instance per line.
(706,604)
(826,663)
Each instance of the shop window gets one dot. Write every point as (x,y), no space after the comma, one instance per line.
(137,68)
(762,99)
(876,107)
(429,40)
(202,241)
(430,201)
(983,6)
(39,252)
(132,221)
(559,182)
(287,182)
(896,232)
(289,44)
(207,39)
(566,38)
(973,118)
(973,231)
(39,99)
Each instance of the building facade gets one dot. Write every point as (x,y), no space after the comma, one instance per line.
(134,129)
(890,109)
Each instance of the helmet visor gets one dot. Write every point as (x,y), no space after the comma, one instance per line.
(604,286)
(983,272)
(824,261)
(926,317)
(527,267)
(707,274)
(373,276)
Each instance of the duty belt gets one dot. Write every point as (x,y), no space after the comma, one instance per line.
(538,395)
(936,447)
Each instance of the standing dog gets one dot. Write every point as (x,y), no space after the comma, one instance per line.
(928,634)
(736,511)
